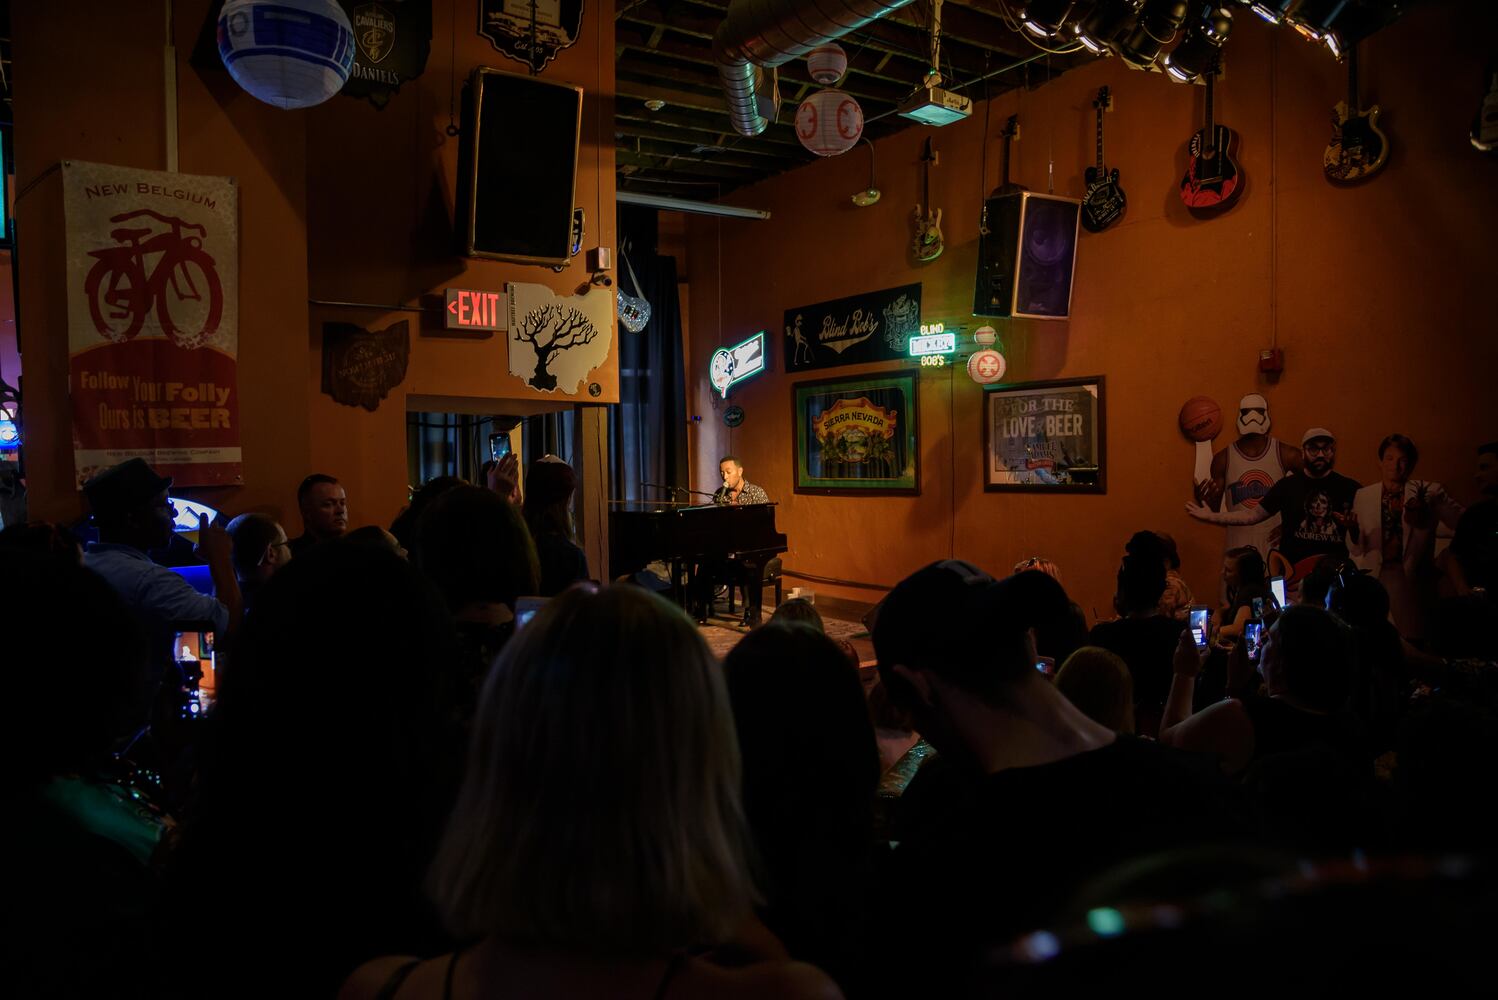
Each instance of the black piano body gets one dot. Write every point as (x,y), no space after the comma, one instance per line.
(686,534)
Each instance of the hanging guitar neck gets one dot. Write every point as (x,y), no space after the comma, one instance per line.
(1010,133)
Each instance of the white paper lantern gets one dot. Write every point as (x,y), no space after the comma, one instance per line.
(985,336)
(827,63)
(986,366)
(829,122)
(290,53)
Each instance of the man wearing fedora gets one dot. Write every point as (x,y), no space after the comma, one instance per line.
(134,515)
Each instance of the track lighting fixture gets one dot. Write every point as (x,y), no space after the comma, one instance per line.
(1158,22)
(1204,38)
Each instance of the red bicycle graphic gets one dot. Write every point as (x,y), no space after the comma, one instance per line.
(183,285)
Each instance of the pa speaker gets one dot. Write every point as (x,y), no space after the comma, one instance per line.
(518,156)
(1025,263)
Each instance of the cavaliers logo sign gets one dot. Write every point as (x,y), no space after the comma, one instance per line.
(374,32)
(531,31)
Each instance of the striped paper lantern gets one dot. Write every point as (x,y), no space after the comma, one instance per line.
(829,122)
(290,53)
(827,63)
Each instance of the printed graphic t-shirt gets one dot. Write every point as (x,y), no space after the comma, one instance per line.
(1305,506)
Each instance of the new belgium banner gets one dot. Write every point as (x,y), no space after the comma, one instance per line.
(153,321)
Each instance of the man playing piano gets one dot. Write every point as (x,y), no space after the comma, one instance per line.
(735,491)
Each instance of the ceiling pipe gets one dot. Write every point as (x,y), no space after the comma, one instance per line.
(686,205)
(757,35)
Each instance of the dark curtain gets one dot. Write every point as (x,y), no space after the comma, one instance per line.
(648,426)
(547,434)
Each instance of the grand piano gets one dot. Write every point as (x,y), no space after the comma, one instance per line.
(686,534)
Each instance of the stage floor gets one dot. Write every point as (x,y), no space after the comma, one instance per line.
(723,632)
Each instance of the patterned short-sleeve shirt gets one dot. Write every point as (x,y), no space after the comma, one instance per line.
(748,493)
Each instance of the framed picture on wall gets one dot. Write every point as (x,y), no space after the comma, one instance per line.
(857,435)
(1045,437)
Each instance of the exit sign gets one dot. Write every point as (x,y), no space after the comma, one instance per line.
(470,309)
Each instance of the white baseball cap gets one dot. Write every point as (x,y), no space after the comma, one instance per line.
(1317,432)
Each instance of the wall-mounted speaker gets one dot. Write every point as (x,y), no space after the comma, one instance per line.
(1025,263)
(518,168)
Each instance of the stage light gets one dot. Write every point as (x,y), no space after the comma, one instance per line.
(1158,22)
(1272,11)
(1314,20)
(1100,30)
(1203,40)
(1043,18)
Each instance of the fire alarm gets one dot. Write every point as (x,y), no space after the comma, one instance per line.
(1271,361)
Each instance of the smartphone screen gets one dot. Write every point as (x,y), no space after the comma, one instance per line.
(525,610)
(1258,607)
(499,445)
(1251,634)
(1277,590)
(1199,617)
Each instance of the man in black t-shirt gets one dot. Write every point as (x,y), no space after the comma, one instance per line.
(1313,506)
(1030,798)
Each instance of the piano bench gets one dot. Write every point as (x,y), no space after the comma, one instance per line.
(771,576)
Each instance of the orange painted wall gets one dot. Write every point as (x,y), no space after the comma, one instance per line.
(379,210)
(89,86)
(1380,296)
(338,202)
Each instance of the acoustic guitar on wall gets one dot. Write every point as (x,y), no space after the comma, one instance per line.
(1359,148)
(927,244)
(1104,202)
(1213,180)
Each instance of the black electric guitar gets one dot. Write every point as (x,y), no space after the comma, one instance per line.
(1359,149)
(1010,134)
(1212,179)
(927,244)
(1104,202)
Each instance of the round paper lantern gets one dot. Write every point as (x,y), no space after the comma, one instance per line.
(290,53)
(829,122)
(827,63)
(985,336)
(986,366)
(1201,418)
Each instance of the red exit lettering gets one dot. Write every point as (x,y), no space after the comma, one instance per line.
(470,309)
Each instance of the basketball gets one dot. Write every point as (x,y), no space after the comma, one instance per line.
(1201,418)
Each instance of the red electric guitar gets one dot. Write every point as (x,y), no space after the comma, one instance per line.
(1212,180)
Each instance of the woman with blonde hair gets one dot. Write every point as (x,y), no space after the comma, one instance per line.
(598,845)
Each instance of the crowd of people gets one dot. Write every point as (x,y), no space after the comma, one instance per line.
(405,789)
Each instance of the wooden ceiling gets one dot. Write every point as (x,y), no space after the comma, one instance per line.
(688,149)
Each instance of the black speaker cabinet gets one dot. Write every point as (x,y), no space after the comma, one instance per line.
(1025,262)
(518,156)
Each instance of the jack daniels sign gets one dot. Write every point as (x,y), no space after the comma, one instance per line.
(873,326)
(392,39)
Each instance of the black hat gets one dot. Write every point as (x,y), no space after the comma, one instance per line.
(124,487)
(923,618)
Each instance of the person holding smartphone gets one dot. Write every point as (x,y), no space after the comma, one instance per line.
(1306,660)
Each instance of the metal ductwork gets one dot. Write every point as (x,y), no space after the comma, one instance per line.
(757,35)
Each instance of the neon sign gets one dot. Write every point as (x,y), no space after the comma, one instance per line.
(933,339)
(731,365)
